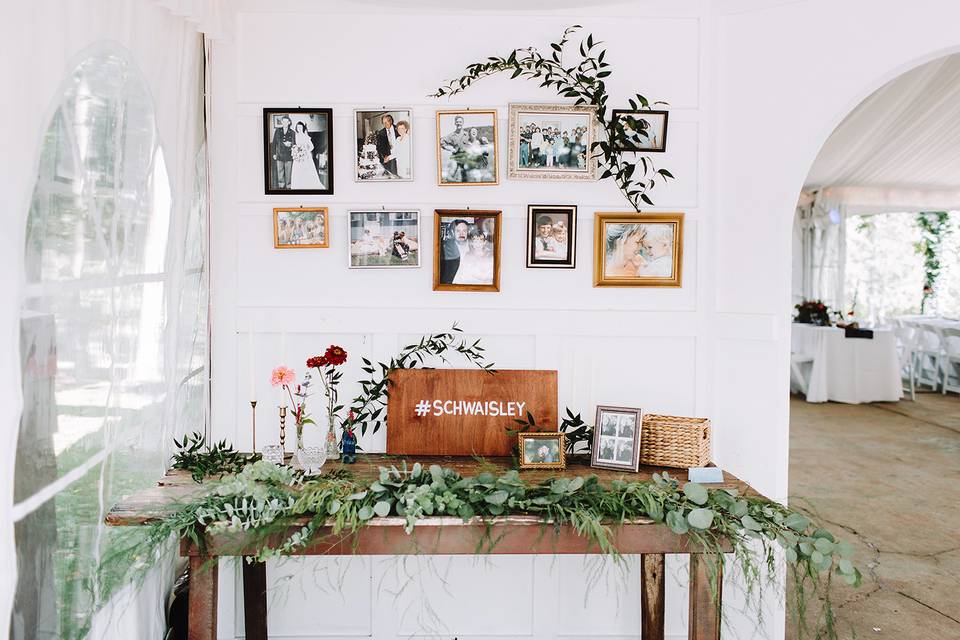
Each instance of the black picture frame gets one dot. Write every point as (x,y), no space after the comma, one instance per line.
(324,140)
(640,113)
(534,212)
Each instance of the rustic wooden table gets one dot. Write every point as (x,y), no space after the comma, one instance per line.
(439,535)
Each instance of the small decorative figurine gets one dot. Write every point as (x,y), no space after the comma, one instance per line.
(349,444)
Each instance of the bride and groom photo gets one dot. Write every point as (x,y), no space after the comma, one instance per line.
(298,156)
(384,145)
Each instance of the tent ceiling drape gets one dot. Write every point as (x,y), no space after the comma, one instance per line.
(899,150)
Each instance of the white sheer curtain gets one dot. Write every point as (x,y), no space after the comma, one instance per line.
(819,235)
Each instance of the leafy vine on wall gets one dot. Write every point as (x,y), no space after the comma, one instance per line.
(934,228)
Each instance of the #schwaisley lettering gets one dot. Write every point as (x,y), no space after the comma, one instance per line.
(491,408)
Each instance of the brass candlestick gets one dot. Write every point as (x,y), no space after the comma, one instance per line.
(283,426)
(253,411)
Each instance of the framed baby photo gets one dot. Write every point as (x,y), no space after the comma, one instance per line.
(542,450)
(616,439)
(301,228)
(387,238)
(466,250)
(552,236)
(552,142)
(467,148)
(640,131)
(298,151)
(384,145)
(638,250)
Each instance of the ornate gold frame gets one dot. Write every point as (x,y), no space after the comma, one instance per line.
(514,172)
(561,441)
(599,249)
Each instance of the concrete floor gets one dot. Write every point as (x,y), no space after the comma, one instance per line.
(887,477)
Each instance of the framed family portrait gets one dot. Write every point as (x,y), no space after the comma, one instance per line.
(466,252)
(467,148)
(542,450)
(301,228)
(387,238)
(638,250)
(616,439)
(298,151)
(384,145)
(552,142)
(641,131)
(552,236)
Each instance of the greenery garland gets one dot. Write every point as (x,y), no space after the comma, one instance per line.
(934,228)
(584,81)
(202,460)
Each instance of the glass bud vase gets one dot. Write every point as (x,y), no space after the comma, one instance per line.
(333,450)
(299,437)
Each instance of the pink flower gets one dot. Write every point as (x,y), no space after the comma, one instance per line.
(282,376)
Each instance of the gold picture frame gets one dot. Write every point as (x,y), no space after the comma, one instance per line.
(561,161)
(555,458)
(307,216)
(446,269)
(445,143)
(632,253)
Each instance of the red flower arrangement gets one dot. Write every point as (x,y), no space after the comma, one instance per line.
(326,364)
(334,356)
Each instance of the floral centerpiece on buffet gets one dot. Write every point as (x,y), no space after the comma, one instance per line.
(813,312)
(327,365)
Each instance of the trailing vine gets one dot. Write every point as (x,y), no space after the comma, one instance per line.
(584,81)
(934,228)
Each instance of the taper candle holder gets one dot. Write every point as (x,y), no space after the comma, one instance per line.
(283,427)
(253,412)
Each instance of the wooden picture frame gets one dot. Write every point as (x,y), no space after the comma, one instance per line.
(555,458)
(657,121)
(318,123)
(629,250)
(281,237)
(557,159)
(563,219)
(617,433)
(450,140)
(449,242)
(362,248)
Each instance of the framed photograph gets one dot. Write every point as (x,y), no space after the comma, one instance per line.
(616,441)
(641,131)
(542,450)
(384,145)
(466,251)
(552,236)
(467,148)
(552,142)
(298,151)
(638,250)
(301,228)
(386,238)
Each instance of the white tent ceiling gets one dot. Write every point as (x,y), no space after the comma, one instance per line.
(899,150)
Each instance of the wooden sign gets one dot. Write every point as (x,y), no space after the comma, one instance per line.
(465,412)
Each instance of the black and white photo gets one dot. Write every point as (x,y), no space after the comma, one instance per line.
(616,443)
(466,250)
(298,151)
(384,145)
(641,131)
(389,238)
(552,236)
(552,142)
(467,148)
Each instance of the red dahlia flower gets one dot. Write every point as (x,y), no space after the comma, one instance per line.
(335,355)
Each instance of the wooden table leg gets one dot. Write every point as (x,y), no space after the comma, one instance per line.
(255,599)
(202,613)
(652,596)
(704,608)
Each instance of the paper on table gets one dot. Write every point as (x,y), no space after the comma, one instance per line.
(705,475)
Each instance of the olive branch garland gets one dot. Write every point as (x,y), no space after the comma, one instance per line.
(585,82)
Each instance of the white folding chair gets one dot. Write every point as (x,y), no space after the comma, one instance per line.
(928,349)
(906,343)
(797,379)
(950,361)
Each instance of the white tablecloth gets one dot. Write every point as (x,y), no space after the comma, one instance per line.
(851,370)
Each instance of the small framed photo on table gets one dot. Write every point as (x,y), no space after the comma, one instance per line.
(616,441)
(552,142)
(641,131)
(301,228)
(552,236)
(298,151)
(542,450)
(466,251)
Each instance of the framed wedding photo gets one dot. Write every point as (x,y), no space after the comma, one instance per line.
(467,148)
(301,228)
(384,145)
(552,236)
(552,142)
(638,250)
(641,131)
(384,239)
(298,151)
(466,251)
(542,450)
(616,439)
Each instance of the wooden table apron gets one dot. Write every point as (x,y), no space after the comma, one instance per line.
(440,536)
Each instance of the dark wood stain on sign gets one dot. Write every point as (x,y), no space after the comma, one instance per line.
(474,410)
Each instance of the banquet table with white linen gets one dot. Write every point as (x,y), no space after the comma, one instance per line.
(850,370)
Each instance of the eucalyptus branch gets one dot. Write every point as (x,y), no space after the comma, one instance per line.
(583,81)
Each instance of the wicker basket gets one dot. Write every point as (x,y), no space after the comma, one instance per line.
(671,441)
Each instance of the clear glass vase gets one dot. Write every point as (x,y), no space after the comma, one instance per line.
(333,449)
(299,437)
